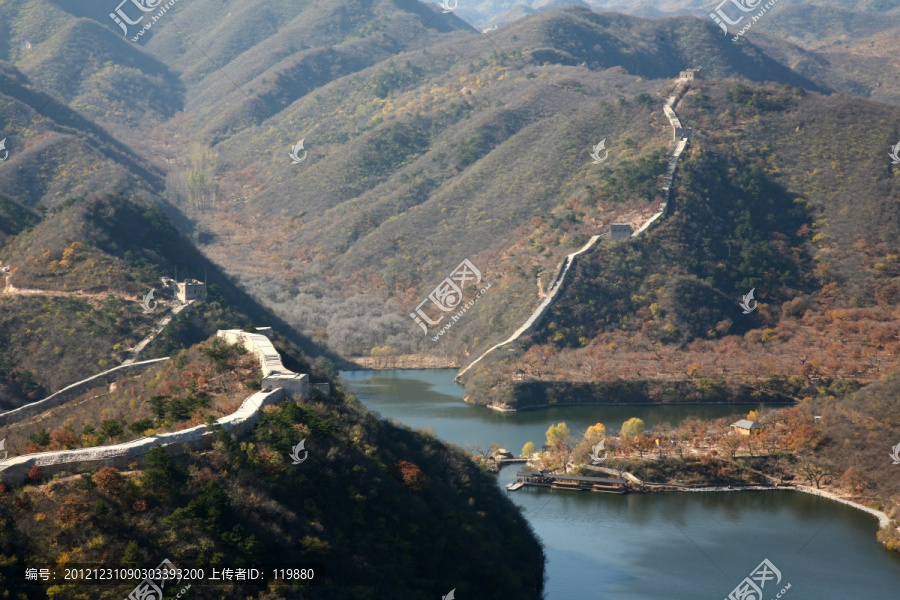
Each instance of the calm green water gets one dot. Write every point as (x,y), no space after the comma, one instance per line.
(688,546)
(429,398)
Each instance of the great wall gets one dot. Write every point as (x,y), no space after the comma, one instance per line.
(75,390)
(277,382)
(681,135)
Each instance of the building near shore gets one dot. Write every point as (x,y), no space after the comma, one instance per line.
(745,427)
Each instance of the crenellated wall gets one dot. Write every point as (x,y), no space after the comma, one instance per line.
(556,287)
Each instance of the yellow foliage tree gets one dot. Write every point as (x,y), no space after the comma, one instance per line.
(558,434)
(597,430)
(632,427)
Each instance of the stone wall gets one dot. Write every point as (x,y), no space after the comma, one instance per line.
(76,389)
(277,382)
(14,470)
(275,374)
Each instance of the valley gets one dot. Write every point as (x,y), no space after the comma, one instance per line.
(451,227)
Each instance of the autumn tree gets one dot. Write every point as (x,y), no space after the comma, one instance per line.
(853,480)
(528,449)
(35,474)
(815,468)
(558,435)
(632,427)
(731,444)
(598,430)
(109,479)
(805,436)
(411,476)
(72,511)
(480,453)
(642,444)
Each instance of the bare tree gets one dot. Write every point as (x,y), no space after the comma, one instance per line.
(815,468)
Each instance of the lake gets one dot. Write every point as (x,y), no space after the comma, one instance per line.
(651,546)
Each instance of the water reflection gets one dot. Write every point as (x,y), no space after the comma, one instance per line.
(669,546)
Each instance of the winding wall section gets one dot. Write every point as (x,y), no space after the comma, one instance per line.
(76,389)
(277,380)
(556,287)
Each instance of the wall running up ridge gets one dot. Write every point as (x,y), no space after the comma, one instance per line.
(555,289)
(75,390)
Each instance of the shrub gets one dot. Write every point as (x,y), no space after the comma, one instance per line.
(162,475)
(410,475)
(72,512)
(141,425)
(632,427)
(111,428)
(109,480)
(40,438)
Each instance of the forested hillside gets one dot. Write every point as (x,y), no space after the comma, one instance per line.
(757,206)
(375,509)
(96,258)
(428,143)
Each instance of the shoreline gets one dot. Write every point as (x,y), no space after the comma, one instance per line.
(883,520)
(413,362)
(624,404)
